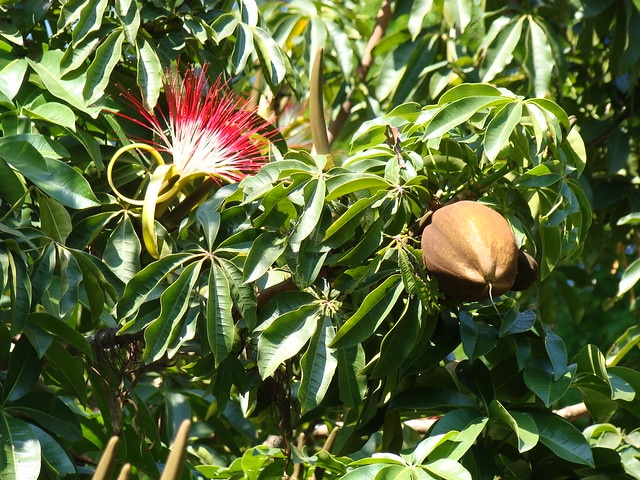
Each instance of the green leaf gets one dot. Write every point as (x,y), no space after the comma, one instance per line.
(284,338)
(310,216)
(122,250)
(53,112)
(372,311)
(318,365)
(448,469)
(425,400)
(539,377)
(53,177)
(265,250)
(23,371)
(350,219)
(58,461)
(19,293)
(624,344)
(501,53)
(557,352)
(459,111)
(397,344)
(243,294)
(273,61)
(67,89)
(147,280)
(469,425)
(629,278)
(522,425)
(500,127)
(68,370)
(562,438)
(129,15)
(12,76)
(352,383)
(419,10)
(12,188)
(99,72)
(219,318)
(150,72)
(61,330)
(517,322)
(209,220)
(347,183)
(478,338)
(427,445)
(541,57)
(174,303)
(476,377)
(90,19)
(94,282)
(48,411)
(243,47)
(55,220)
(19,450)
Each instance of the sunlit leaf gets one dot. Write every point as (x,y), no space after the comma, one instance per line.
(219,318)
(20,450)
(99,72)
(285,337)
(174,303)
(562,438)
(318,365)
(372,311)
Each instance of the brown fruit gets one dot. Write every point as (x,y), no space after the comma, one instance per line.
(527,272)
(470,249)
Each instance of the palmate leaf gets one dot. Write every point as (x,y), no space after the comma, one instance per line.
(23,371)
(500,52)
(68,89)
(99,72)
(352,383)
(311,214)
(500,127)
(53,177)
(145,282)
(371,313)
(398,342)
(20,290)
(522,425)
(174,303)
(265,250)
(20,450)
(318,365)
(562,438)
(285,336)
(243,294)
(219,319)
(149,72)
(122,250)
(459,111)
(48,411)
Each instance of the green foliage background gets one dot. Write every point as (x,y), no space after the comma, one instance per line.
(297,299)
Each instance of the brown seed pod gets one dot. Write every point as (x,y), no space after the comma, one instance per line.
(471,250)
(527,272)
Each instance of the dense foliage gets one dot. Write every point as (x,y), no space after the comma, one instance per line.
(288,314)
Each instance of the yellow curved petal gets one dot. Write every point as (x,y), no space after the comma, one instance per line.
(151,199)
(134,146)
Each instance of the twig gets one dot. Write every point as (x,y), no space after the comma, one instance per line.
(382,21)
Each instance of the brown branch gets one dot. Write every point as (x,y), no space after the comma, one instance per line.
(382,21)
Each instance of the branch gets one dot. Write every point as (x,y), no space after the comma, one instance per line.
(382,21)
